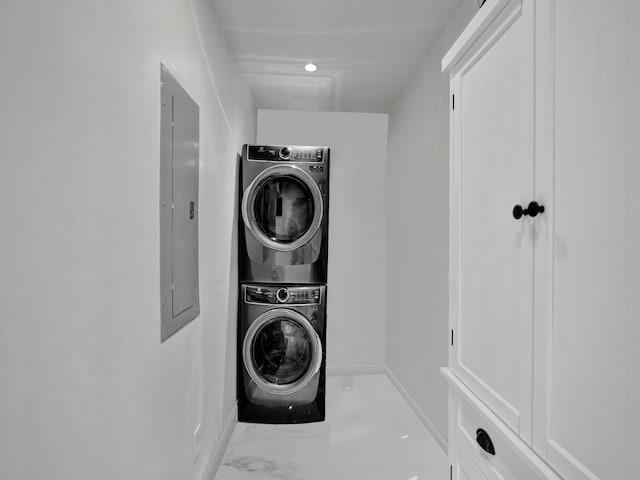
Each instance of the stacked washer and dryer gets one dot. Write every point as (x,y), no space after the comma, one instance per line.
(283,250)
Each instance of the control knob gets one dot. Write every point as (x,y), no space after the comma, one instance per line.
(282,295)
(285,153)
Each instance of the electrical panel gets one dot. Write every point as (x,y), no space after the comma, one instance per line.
(179,162)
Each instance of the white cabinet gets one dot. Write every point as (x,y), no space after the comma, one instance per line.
(509,458)
(491,253)
(587,385)
(544,311)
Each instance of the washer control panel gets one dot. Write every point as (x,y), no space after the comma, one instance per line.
(285,153)
(260,294)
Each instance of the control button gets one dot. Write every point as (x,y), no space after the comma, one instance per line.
(282,295)
(285,153)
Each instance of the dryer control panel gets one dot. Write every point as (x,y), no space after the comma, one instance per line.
(284,153)
(296,295)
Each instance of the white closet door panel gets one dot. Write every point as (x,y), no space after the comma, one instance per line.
(493,162)
(590,422)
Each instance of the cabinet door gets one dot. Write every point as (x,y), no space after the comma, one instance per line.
(588,253)
(491,257)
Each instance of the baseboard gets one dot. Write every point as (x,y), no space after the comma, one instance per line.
(358,370)
(225,438)
(421,415)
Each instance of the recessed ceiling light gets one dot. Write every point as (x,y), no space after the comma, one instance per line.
(310,67)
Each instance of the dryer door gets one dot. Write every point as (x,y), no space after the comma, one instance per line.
(283,207)
(282,351)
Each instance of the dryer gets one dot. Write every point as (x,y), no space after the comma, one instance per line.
(281,353)
(284,225)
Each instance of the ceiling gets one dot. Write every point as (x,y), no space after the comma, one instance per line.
(366,50)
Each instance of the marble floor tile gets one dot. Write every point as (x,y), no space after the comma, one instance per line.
(370,433)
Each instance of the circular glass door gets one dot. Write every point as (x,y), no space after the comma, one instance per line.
(283,207)
(282,351)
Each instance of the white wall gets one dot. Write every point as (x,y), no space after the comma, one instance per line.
(418,230)
(357,242)
(87,390)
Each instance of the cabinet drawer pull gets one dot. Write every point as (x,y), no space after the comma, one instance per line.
(484,440)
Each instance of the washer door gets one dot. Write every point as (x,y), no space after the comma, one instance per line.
(283,207)
(282,351)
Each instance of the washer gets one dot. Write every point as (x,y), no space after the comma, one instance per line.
(284,225)
(281,353)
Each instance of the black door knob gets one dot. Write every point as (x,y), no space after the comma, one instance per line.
(518,212)
(532,210)
(484,440)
